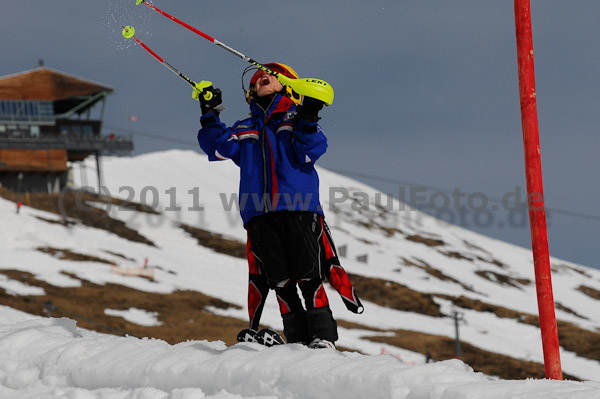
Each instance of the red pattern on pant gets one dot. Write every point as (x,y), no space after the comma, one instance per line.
(283,306)
(255,300)
(340,281)
(320,299)
(252,263)
(329,252)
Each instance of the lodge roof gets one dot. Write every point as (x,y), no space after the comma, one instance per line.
(47,84)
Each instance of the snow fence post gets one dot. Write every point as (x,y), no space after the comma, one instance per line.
(535,190)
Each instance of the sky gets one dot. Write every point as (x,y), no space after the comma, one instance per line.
(426,93)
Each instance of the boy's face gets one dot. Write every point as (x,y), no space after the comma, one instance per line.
(267,85)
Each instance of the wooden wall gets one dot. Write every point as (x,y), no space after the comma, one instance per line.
(33,160)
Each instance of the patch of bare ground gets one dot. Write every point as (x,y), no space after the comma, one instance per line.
(442,348)
(492,261)
(476,247)
(67,254)
(372,225)
(432,271)
(489,259)
(562,269)
(583,342)
(357,326)
(354,326)
(118,255)
(430,242)
(183,314)
(394,295)
(217,242)
(369,224)
(566,309)
(62,222)
(75,205)
(500,311)
(390,231)
(456,255)
(134,206)
(589,291)
(503,279)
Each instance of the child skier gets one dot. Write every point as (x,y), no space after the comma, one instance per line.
(276,148)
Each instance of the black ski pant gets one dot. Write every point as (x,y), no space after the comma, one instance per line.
(287,245)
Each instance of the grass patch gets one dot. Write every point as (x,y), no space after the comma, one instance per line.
(66,254)
(74,205)
(503,279)
(430,242)
(442,348)
(589,291)
(583,342)
(217,242)
(432,271)
(394,295)
(182,313)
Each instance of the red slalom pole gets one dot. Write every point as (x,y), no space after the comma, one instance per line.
(535,190)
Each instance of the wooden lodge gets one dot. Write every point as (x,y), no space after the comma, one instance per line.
(49,119)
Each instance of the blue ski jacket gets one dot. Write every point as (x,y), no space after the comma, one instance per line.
(276,152)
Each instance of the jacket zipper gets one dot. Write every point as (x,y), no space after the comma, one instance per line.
(264,154)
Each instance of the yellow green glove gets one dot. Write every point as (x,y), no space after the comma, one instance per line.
(209,97)
(199,87)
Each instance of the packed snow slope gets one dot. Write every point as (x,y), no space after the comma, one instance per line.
(52,358)
(381,238)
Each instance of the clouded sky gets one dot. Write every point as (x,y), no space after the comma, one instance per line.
(426,91)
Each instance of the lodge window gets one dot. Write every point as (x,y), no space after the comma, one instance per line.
(34,131)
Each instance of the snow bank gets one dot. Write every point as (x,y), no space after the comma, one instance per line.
(52,358)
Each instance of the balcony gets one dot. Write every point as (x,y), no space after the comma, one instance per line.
(108,144)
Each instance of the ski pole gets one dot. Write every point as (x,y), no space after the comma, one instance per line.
(315,88)
(129,33)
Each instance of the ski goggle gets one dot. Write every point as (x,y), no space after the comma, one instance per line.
(257,75)
(275,67)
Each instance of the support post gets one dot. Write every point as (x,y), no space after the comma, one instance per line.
(99,171)
(535,190)
(457,319)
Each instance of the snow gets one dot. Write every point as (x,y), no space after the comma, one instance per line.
(137,316)
(67,362)
(14,287)
(53,358)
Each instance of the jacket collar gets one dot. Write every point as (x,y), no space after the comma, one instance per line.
(279,105)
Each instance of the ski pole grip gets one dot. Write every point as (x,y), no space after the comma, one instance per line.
(208,95)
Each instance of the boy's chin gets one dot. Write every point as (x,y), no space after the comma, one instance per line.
(265,94)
